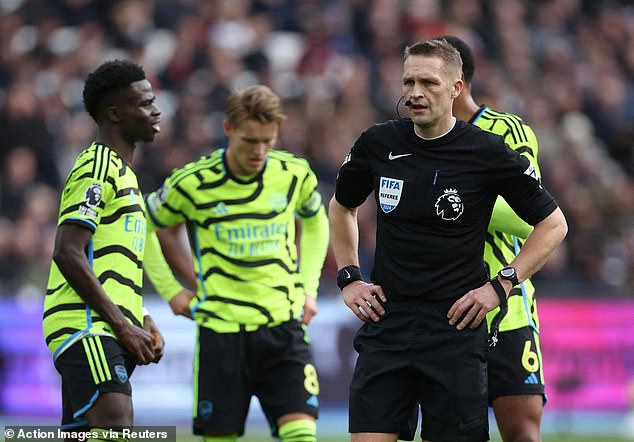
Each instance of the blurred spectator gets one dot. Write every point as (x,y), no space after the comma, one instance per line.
(566,65)
(22,125)
(19,170)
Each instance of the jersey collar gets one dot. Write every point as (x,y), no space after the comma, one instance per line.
(477,115)
(242,180)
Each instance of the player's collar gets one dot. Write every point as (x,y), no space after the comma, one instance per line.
(478,114)
(240,179)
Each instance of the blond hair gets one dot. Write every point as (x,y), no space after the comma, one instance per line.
(258,103)
(437,48)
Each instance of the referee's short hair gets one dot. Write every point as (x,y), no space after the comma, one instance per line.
(437,48)
(466,54)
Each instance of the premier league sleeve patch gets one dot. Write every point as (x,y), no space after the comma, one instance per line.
(92,196)
(92,199)
(532,172)
(158,198)
(390,190)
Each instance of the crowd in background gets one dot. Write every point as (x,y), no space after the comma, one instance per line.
(565,66)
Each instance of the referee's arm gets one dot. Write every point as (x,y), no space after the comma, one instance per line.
(344,231)
(472,308)
(359,296)
(539,245)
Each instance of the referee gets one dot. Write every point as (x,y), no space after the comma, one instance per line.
(435,181)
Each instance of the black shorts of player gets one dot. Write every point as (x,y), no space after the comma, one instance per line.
(274,364)
(515,365)
(411,358)
(92,366)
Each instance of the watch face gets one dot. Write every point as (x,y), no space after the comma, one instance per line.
(507,272)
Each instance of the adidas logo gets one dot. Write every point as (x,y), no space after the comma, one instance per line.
(221,209)
(532,379)
(312,401)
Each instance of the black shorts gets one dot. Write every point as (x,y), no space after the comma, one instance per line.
(413,356)
(515,365)
(92,366)
(274,364)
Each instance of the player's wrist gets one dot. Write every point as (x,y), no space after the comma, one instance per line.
(347,275)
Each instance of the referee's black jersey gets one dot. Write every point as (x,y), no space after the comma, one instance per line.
(434,202)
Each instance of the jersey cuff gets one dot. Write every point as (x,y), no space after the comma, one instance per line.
(344,200)
(543,213)
(309,214)
(81,223)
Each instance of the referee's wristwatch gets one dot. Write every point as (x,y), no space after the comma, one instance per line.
(508,273)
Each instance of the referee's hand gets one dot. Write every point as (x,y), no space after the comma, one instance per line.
(472,308)
(361,298)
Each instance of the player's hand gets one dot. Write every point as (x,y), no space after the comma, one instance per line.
(473,307)
(180,303)
(138,342)
(157,338)
(361,298)
(310,309)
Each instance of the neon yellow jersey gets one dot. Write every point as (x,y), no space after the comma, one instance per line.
(243,237)
(501,248)
(101,194)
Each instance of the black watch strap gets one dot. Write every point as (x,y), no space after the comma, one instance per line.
(508,273)
(495,324)
(348,274)
(499,289)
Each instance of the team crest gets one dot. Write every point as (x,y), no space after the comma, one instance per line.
(92,196)
(278,201)
(121,373)
(390,190)
(449,205)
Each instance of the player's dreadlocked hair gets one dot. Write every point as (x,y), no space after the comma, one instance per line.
(466,54)
(106,79)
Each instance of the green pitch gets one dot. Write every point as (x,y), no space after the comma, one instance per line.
(346,437)
(555,438)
